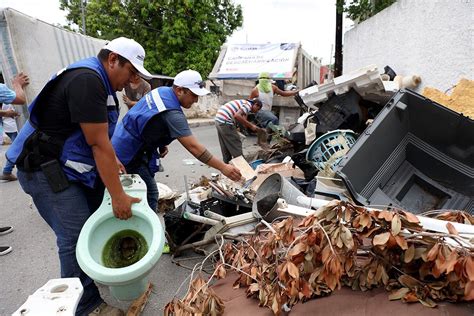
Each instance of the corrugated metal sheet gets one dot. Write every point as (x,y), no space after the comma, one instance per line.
(39,49)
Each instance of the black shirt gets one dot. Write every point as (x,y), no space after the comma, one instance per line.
(76,96)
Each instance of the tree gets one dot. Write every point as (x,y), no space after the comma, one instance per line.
(176,34)
(361,10)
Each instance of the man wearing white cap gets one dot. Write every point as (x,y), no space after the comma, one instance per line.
(65,145)
(154,122)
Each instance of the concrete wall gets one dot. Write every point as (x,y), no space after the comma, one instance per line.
(431,38)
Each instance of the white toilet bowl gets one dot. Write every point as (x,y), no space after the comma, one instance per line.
(57,297)
(129,282)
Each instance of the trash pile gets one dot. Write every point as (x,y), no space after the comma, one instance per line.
(373,187)
(342,244)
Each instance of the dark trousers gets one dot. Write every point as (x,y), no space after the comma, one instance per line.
(66,212)
(229,140)
(152,189)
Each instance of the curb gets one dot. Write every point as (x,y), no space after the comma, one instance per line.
(192,124)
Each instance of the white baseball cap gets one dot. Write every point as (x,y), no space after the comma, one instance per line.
(132,51)
(192,80)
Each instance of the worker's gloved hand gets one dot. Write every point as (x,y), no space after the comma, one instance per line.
(231,172)
(122,205)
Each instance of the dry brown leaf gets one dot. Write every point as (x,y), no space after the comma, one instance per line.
(433,253)
(427,302)
(409,254)
(276,304)
(401,242)
(451,229)
(469,291)
(346,237)
(410,297)
(253,288)
(221,271)
(386,215)
(326,254)
(293,270)
(412,218)
(381,239)
(408,281)
(396,225)
(469,268)
(305,289)
(398,294)
(297,249)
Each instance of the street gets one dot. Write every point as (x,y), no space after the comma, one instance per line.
(34,258)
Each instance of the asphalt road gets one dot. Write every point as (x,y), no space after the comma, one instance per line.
(34,259)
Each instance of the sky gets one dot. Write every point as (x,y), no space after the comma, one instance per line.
(311,22)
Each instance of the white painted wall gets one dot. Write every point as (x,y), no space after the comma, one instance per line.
(431,38)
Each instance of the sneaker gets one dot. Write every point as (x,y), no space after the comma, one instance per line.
(105,309)
(4,250)
(8,177)
(6,230)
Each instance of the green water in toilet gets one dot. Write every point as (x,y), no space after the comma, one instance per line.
(124,248)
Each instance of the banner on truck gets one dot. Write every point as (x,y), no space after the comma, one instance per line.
(246,61)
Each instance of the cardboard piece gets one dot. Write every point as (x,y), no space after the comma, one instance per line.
(244,167)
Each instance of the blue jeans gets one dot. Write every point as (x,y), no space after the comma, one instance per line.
(9,165)
(264,117)
(65,212)
(151,187)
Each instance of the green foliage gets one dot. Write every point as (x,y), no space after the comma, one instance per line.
(361,10)
(176,34)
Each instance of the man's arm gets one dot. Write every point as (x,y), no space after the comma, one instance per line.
(8,113)
(277,90)
(18,83)
(254,93)
(129,103)
(241,117)
(196,149)
(97,137)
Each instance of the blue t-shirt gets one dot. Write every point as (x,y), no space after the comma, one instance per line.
(160,131)
(6,94)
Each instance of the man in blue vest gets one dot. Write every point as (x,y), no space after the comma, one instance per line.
(154,122)
(65,145)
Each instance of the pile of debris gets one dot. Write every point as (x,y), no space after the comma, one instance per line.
(373,149)
(342,244)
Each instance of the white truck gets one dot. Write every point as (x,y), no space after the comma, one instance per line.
(238,65)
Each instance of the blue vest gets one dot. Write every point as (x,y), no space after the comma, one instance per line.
(76,158)
(127,139)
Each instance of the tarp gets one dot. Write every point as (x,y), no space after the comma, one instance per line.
(340,302)
(246,61)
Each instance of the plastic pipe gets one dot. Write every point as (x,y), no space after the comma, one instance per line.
(200,219)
